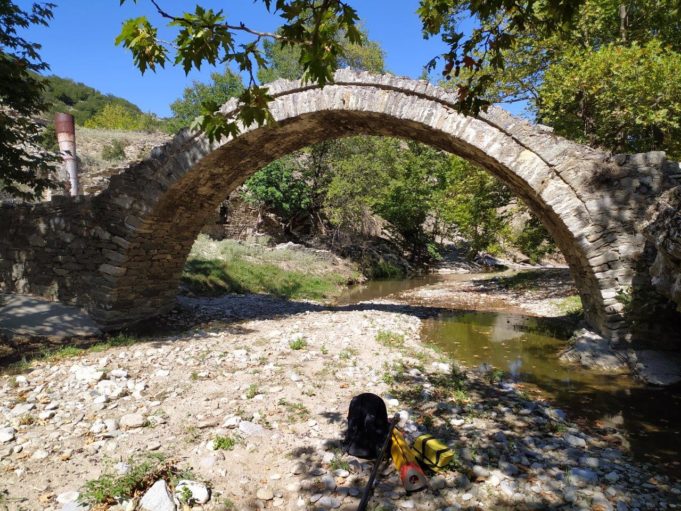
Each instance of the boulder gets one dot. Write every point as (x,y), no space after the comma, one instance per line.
(157,498)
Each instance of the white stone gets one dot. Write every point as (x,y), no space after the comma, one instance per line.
(328,502)
(574,441)
(69,496)
(119,373)
(22,409)
(40,454)
(265,494)
(85,373)
(110,389)
(75,506)
(199,491)
(111,425)
(251,429)
(132,421)
(232,422)
(157,498)
(7,435)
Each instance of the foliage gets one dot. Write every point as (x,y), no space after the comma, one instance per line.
(533,240)
(470,204)
(385,270)
(228,266)
(295,187)
(284,60)
(240,276)
(316,30)
(223,86)
(298,344)
(115,116)
(206,35)
(570,305)
(643,39)
(626,99)
(390,339)
(497,26)
(280,187)
(79,100)
(407,199)
(115,150)
(296,411)
(224,443)
(25,167)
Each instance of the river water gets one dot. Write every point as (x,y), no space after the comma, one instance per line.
(526,349)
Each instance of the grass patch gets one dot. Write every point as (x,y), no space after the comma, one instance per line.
(224,443)
(348,353)
(109,487)
(338,463)
(67,352)
(383,269)
(298,344)
(217,268)
(76,351)
(213,278)
(252,391)
(297,412)
(570,305)
(192,434)
(390,339)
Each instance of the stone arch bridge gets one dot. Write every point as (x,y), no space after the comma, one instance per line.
(120,254)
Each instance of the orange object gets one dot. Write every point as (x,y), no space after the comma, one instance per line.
(411,475)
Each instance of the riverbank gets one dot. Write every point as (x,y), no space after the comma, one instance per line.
(215,268)
(256,408)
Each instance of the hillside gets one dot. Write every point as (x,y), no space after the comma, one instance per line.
(80,100)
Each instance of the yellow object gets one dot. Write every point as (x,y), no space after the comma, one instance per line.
(411,475)
(432,453)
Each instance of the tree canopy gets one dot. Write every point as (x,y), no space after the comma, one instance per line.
(24,166)
(317,30)
(81,101)
(220,88)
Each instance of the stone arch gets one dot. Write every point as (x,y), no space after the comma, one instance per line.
(144,224)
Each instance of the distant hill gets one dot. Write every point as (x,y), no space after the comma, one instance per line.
(79,100)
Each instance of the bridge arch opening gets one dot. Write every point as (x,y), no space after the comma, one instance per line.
(171,223)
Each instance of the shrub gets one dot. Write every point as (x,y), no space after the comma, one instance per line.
(298,344)
(115,150)
(390,339)
(224,443)
(109,487)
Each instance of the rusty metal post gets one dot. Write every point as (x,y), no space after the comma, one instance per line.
(66,137)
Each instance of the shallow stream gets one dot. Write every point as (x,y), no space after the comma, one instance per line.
(526,349)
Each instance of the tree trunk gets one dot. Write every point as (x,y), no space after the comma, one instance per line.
(623,23)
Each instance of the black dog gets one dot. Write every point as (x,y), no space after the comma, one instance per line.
(367,426)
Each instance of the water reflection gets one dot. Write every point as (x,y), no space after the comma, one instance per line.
(527,349)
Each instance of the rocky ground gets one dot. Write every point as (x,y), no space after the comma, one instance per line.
(95,170)
(548,292)
(255,410)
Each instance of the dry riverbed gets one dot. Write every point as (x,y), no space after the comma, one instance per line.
(255,410)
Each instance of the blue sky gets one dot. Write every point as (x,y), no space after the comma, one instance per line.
(79,43)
